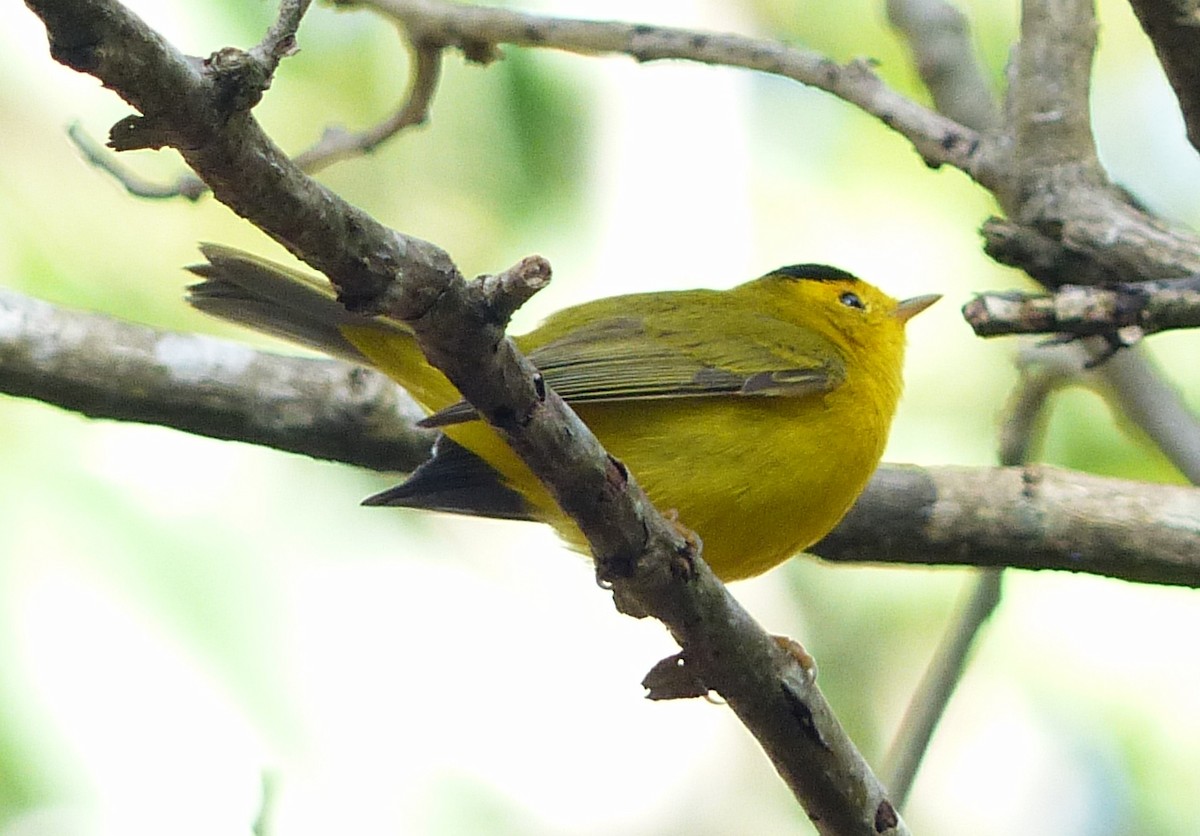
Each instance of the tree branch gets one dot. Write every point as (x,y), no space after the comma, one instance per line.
(187,186)
(1071,216)
(201,108)
(1173,26)
(106,368)
(475,29)
(938,684)
(338,144)
(1127,311)
(1137,388)
(939,37)
(280,40)
(1065,210)
(1050,90)
(1042,370)
(1068,238)
(1025,518)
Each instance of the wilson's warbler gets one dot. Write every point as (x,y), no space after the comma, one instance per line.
(757,413)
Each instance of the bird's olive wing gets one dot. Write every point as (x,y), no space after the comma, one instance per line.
(628,358)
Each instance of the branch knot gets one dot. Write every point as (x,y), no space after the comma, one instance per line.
(238,79)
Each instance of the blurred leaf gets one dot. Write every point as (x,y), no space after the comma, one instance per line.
(549,123)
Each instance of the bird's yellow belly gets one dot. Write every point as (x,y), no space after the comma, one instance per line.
(757,489)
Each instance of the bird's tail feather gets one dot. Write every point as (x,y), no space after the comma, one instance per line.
(276,300)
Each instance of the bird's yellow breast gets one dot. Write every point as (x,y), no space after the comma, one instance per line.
(757,480)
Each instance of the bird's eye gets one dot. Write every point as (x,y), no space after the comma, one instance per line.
(851,300)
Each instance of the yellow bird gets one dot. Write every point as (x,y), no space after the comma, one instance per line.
(757,413)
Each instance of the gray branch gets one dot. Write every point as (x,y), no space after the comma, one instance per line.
(1024,518)
(1127,311)
(330,409)
(106,368)
(335,144)
(1067,222)
(1082,229)
(1137,387)
(940,40)
(280,40)
(477,29)
(338,144)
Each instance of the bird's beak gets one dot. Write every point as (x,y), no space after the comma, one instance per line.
(909,308)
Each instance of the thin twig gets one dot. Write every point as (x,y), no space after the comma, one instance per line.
(939,37)
(1130,310)
(250,72)
(187,186)
(1020,433)
(937,686)
(1138,389)
(280,40)
(937,139)
(337,144)
(1043,369)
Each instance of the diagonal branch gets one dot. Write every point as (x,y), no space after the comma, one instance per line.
(201,108)
(939,682)
(1137,387)
(939,37)
(187,186)
(1173,26)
